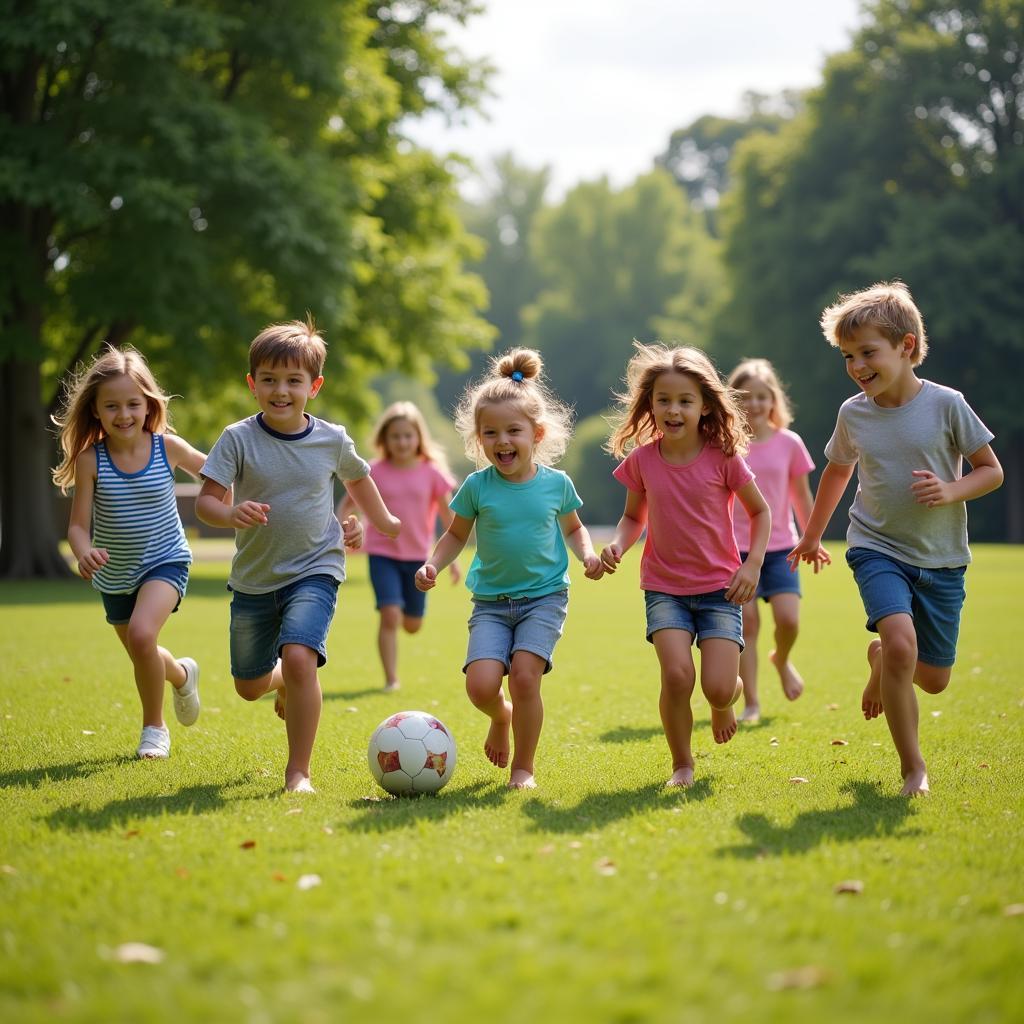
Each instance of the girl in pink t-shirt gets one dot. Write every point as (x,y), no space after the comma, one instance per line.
(412,475)
(683,434)
(780,462)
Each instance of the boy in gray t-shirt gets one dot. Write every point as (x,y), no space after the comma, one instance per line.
(289,546)
(908,523)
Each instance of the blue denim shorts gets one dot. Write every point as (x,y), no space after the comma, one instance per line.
(933,598)
(776,576)
(394,582)
(497,629)
(261,624)
(703,616)
(119,607)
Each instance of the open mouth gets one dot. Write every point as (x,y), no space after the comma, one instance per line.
(505,458)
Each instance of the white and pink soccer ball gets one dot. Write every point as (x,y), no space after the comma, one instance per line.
(411,752)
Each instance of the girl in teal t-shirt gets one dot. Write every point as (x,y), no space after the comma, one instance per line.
(525,515)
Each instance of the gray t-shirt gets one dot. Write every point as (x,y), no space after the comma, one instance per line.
(293,474)
(934,431)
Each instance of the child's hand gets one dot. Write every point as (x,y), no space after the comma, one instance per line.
(456,572)
(811,552)
(593,567)
(611,555)
(93,560)
(248,514)
(426,577)
(352,533)
(743,585)
(929,489)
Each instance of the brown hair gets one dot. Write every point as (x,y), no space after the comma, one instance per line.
(887,306)
(725,425)
(296,342)
(428,449)
(80,426)
(781,415)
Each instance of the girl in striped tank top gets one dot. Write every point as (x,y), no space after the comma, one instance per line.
(125,531)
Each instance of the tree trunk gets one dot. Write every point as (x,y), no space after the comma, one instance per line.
(29,533)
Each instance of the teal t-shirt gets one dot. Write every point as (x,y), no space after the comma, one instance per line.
(520,550)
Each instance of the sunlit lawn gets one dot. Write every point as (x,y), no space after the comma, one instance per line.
(600,897)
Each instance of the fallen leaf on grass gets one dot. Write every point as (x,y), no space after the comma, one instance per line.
(549,848)
(248,844)
(351,710)
(328,830)
(88,732)
(809,976)
(797,779)
(851,885)
(138,953)
(833,707)
(840,743)
(181,872)
(132,833)
(294,810)
(8,869)
(936,714)
(773,742)
(984,764)
(277,876)
(308,882)
(1014,910)
(575,844)
(605,866)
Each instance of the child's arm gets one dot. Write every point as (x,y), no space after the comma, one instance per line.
(213,507)
(89,558)
(627,532)
(366,496)
(577,537)
(446,515)
(834,478)
(351,528)
(451,542)
(181,453)
(802,500)
(743,585)
(985,476)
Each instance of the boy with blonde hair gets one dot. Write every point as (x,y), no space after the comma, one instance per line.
(289,546)
(907,539)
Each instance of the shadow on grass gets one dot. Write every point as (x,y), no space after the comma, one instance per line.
(190,800)
(390,813)
(871,815)
(599,809)
(368,691)
(629,733)
(35,777)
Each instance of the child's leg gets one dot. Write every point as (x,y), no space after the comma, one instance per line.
(871,699)
(153,664)
(304,702)
(786,611)
(524,678)
(719,679)
(483,686)
(677,679)
(748,662)
(387,643)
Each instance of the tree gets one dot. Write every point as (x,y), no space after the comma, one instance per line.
(179,172)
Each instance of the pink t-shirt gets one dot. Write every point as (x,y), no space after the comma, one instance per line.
(776,463)
(412,493)
(690,547)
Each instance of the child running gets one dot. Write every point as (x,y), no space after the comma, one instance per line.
(780,462)
(682,433)
(411,472)
(525,514)
(289,546)
(119,456)
(907,539)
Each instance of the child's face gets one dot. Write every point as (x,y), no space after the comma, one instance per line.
(875,363)
(677,405)
(121,408)
(282,392)
(507,438)
(758,401)
(401,442)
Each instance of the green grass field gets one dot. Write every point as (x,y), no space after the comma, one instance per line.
(599,897)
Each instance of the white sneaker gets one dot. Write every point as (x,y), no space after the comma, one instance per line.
(155,742)
(186,698)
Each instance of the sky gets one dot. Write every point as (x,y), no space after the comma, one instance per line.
(595,88)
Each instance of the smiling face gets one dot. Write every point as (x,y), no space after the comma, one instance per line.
(882,370)
(121,408)
(677,405)
(507,438)
(758,402)
(282,392)
(402,442)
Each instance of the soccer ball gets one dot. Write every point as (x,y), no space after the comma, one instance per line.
(411,752)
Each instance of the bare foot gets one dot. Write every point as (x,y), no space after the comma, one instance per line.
(280,699)
(391,687)
(496,746)
(723,724)
(871,701)
(792,684)
(297,782)
(915,783)
(751,713)
(521,779)
(682,777)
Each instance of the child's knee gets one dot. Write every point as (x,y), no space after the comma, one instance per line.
(523,684)
(411,625)
(140,638)
(251,689)
(678,680)
(899,651)
(932,678)
(787,622)
(719,693)
(390,616)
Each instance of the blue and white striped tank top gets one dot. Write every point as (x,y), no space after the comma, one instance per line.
(135,517)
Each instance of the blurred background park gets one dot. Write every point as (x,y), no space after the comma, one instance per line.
(175,174)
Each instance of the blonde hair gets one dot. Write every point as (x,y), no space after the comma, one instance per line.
(295,342)
(427,449)
(888,306)
(725,425)
(80,426)
(515,377)
(781,415)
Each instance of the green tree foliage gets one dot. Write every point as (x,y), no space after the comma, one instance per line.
(909,163)
(177,173)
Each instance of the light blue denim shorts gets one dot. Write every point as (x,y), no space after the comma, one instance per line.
(703,616)
(933,598)
(261,624)
(776,576)
(119,607)
(497,629)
